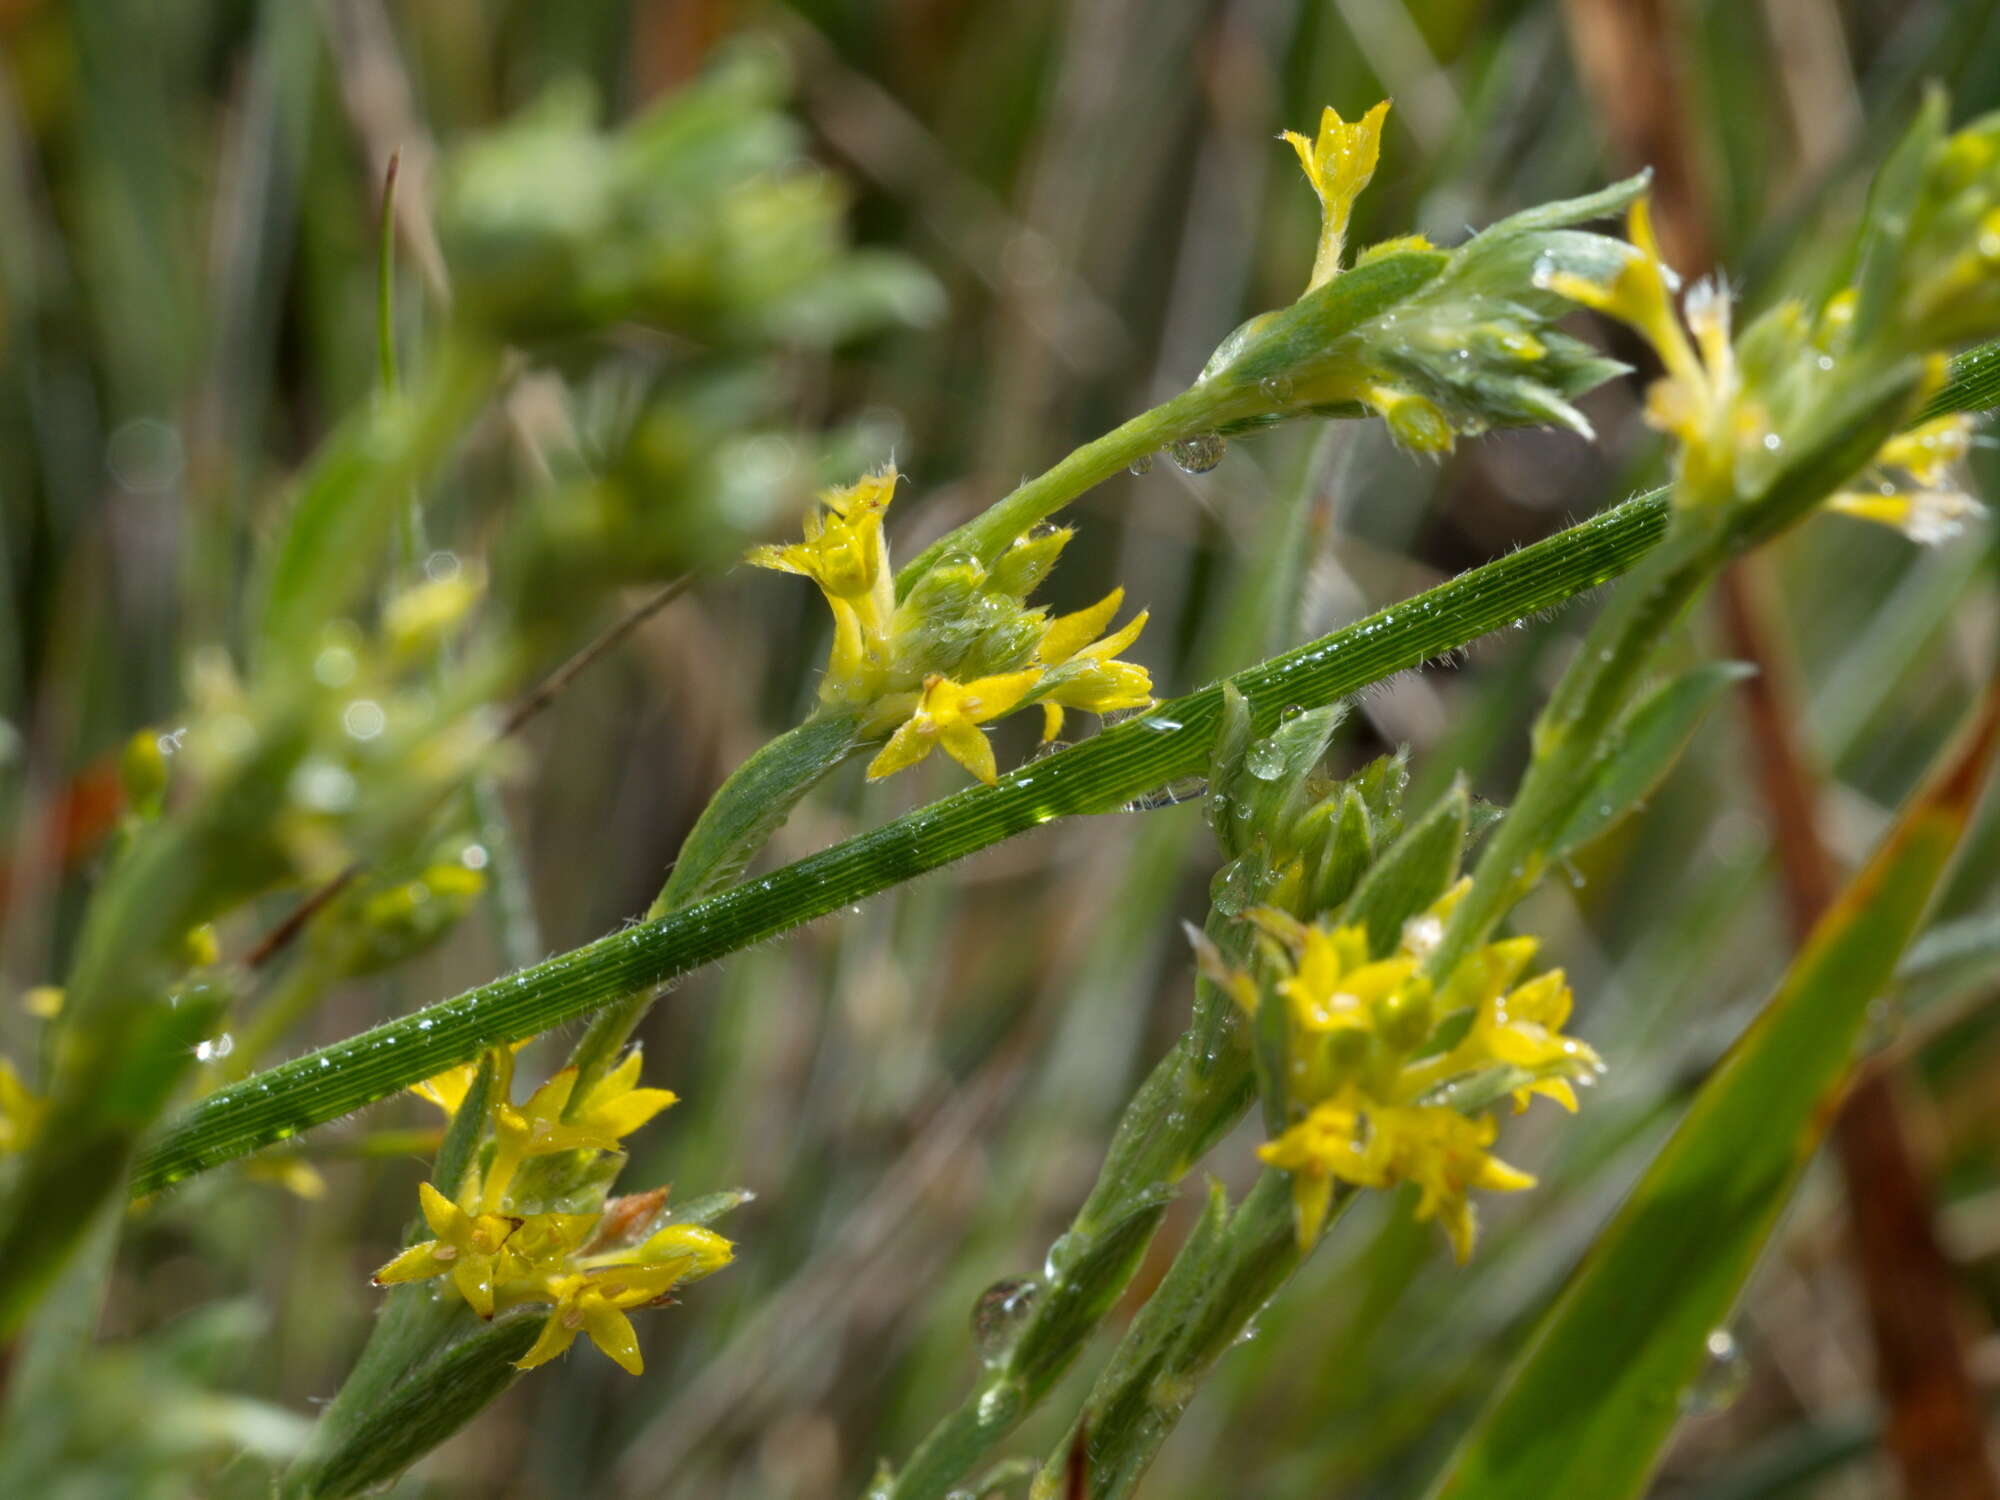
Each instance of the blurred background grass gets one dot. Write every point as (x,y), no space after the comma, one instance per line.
(919,1091)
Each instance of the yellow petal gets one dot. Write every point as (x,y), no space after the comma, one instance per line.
(620,1117)
(1052,720)
(914,740)
(555,1339)
(473,1276)
(987,698)
(612,1332)
(446,1218)
(550,1100)
(1069,634)
(417,1263)
(1111,645)
(1312,1199)
(964,743)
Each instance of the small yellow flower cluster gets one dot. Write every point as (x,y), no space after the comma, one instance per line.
(588,1268)
(1731,404)
(963,649)
(1910,485)
(1370,1084)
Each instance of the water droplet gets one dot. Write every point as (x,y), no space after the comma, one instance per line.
(1064,1253)
(1001,1405)
(1186,789)
(364,719)
(215,1047)
(1143,464)
(1722,1378)
(1772,442)
(1198,453)
(1234,888)
(1277,389)
(1265,760)
(999,1315)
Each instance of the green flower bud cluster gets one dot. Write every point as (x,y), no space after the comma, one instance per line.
(1439,343)
(1296,838)
(1930,269)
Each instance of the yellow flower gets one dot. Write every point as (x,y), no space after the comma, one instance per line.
(291,1172)
(845,554)
(1319,1151)
(1928,509)
(949,714)
(21,1110)
(1338,162)
(1923,515)
(1928,451)
(593,1301)
(1444,1153)
(468,1246)
(1080,670)
(546,1125)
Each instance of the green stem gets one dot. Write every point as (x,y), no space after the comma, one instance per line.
(1230,1266)
(738,821)
(1099,775)
(991,532)
(1186,1104)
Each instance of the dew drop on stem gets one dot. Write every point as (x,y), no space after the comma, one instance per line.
(1199,452)
(1143,464)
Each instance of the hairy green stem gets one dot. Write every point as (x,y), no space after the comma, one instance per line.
(1229,1268)
(1099,775)
(738,821)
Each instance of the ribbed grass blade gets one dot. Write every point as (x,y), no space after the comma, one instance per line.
(1100,775)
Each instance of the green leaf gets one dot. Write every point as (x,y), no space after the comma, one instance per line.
(418,1412)
(1418,868)
(1590,1405)
(1648,744)
(1098,776)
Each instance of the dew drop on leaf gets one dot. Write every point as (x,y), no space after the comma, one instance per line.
(999,1315)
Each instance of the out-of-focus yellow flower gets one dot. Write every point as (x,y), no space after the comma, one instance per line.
(417,620)
(1908,486)
(949,714)
(21,1110)
(468,1248)
(1080,670)
(1922,515)
(845,554)
(1445,1154)
(43,1001)
(1321,1150)
(289,1171)
(1700,399)
(1338,162)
